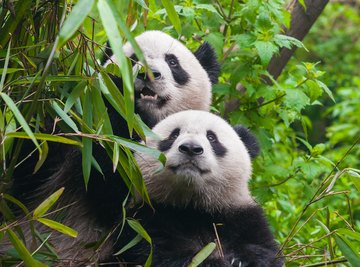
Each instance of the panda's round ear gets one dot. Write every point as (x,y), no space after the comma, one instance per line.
(208,60)
(248,139)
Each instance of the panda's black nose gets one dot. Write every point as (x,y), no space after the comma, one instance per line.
(191,149)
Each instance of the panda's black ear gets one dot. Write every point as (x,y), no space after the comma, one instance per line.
(207,58)
(248,139)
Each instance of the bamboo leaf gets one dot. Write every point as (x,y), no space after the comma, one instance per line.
(347,250)
(129,245)
(43,156)
(139,148)
(111,29)
(64,116)
(46,137)
(19,117)
(47,203)
(115,156)
(87,142)
(58,227)
(173,16)
(5,69)
(21,249)
(74,20)
(136,226)
(202,254)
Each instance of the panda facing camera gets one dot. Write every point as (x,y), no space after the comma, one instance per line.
(202,186)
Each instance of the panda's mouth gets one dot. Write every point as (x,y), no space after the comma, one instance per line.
(187,166)
(147,95)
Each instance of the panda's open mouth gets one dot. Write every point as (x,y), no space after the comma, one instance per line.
(147,95)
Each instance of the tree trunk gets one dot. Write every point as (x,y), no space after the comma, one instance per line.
(301,22)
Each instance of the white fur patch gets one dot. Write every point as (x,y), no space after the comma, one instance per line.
(206,181)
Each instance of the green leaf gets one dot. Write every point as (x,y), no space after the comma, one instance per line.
(115,156)
(20,119)
(136,226)
(87,142)
(74,20)
(111,29)
(47,203)
(129,245)
(65,117)
(173,16)
(347,249)
(43,156)
(202,254)
(74,96)
(139,148)
(58,227)
(326,90)
(265,50)
(5,69)
(21,249)
(46,137)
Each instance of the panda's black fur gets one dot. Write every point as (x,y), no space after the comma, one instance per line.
(93,213)
(202,186)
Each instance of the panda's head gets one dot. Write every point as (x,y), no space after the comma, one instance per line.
(208,162)
(182,79)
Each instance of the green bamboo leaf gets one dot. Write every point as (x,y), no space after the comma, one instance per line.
(129,245)
(43,156)
(20,119)
(136,226)
(347,250)
(21,249)
(46,137)
(87,142)
(9,70)
(74,20)
(58,227)
(202,254)
(47,203)
(74,96)
(16,202)
(65,117)
(115,156)
(134,146)
(5,69)
(111,29)
(173,16)
(349,233)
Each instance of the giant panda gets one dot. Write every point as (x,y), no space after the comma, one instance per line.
(202,187)
(183,80)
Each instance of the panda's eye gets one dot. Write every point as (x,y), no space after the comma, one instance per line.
(211,137)
(173,62)
(174,134)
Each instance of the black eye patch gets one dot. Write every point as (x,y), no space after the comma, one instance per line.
(134,59)
(217,147)
(166,144)
(179,74)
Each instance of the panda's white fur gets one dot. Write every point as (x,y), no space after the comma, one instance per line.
(194,94)
(207,181)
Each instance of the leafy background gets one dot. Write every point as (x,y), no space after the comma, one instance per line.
(307,177)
